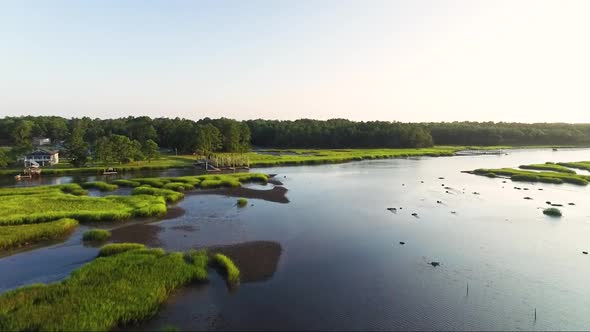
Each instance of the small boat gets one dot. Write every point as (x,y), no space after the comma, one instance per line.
(17,177)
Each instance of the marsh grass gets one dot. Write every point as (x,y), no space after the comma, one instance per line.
(169,195)
(230,270)
(178,186)
(71,188)
(22,235)
(553,212)
(107,293)
(117,248)
(530,176)
(96,235)
(548,167)
(126,183)
(242,202)
(28,209)
(100,185)
(583,165)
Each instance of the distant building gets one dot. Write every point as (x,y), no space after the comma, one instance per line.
(38,141)
(42,157)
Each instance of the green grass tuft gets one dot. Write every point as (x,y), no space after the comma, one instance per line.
(127,183)
(102,295)
(169,195)
(100,185)
(178,186)
(117,248)
(22,235)
(96,235)
(232,273)
(548,167)
(242,202)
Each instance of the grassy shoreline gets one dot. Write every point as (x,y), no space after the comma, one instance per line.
(111,291)
(285,157)
(12,237)
(126,284)
(546,173)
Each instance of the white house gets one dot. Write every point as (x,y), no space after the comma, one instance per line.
(41,157)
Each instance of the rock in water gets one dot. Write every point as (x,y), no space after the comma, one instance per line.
(435,264)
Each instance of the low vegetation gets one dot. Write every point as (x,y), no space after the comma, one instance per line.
(117,248)
(71,188)
(583,165)
(23,235)
(324,156)
(242,202)
(96,235)
(170,196)
(100,185)
(548,167)
(27,209)
(231,271)
(554,212)
(532,176)
(126,183)
(111,291)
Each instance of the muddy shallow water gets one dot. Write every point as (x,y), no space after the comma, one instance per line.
(329,257)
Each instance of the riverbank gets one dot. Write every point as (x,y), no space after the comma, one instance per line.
(132,279)
(278,157)
(65,168)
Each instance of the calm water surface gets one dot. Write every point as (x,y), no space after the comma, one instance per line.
(336,258)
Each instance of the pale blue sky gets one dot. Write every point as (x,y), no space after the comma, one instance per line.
(363,60)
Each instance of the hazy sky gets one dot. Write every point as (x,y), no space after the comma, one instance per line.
(526,61)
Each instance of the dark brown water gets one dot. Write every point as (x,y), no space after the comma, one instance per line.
(331,258)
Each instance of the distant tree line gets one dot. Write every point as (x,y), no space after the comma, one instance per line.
(503,133)
(140,138)
(338,133)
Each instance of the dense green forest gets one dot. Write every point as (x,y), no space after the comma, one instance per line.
(140,138)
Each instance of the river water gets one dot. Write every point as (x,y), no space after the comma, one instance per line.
(329,255)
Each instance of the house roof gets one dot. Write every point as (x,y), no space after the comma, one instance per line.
(42,152)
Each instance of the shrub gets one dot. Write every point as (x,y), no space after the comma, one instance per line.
(242,202)
(100,185)
(21,235)
(554,212)
(232,273)
(117,248)
(96,235)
